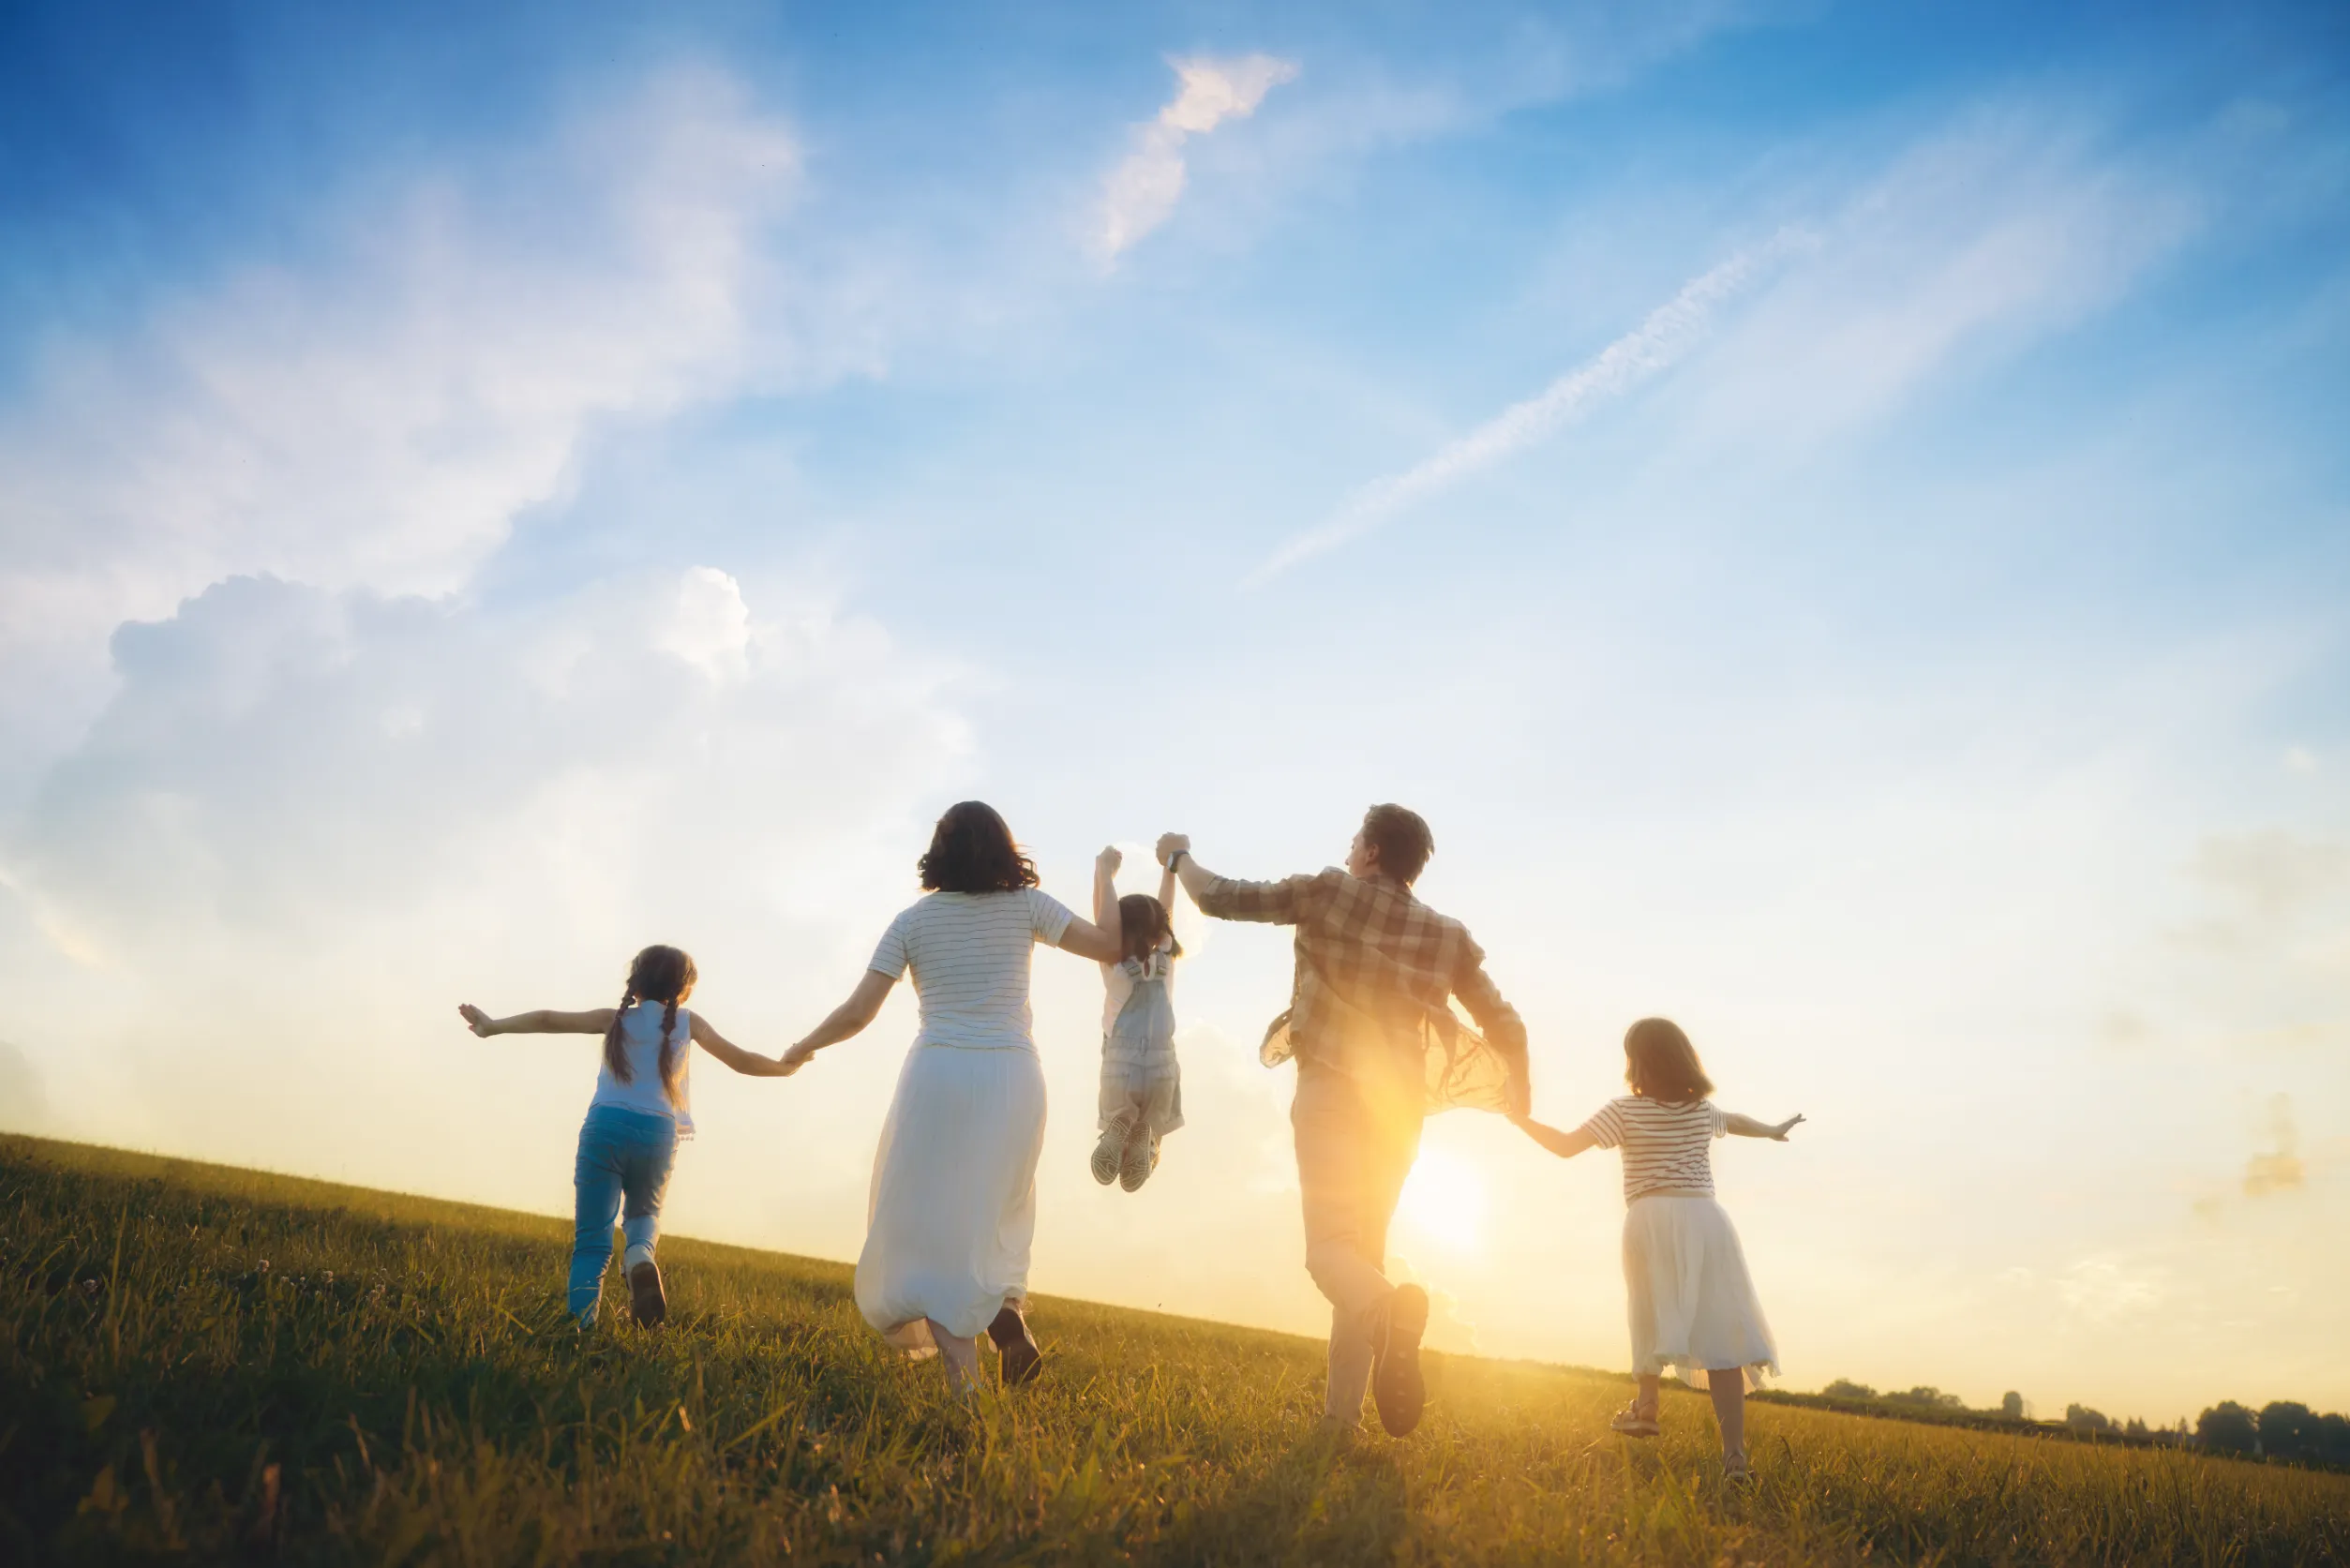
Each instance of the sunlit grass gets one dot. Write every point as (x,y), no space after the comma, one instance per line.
(212,1364)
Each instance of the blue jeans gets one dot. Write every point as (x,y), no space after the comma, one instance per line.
(621,1153)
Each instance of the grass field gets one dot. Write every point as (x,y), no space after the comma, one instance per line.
(215,1364)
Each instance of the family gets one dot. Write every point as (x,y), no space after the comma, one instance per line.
(1378,1047)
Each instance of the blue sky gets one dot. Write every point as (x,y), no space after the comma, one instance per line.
(1836,514)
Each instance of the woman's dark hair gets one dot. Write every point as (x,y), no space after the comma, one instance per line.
(1401,837)
(1661,1065)
(1142,922)
(971,851)
(659,974)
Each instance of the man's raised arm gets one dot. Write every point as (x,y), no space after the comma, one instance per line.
(1228,897)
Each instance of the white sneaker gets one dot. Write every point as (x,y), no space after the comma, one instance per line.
(1140,1160)
(1633,1422)
(1110,1152)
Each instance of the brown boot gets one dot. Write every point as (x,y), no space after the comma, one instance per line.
(1396,1384)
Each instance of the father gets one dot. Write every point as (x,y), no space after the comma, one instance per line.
(1378,1047)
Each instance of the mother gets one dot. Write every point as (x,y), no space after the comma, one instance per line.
(952,1208)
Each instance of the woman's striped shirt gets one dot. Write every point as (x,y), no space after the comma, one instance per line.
(969,954)
(1665,1147)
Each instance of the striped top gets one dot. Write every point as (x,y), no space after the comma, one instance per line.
(1665,1147)
(969,954)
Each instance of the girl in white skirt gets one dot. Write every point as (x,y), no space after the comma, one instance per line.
(1692,1302)
(952,1209)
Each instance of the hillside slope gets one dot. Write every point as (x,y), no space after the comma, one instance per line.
(208,1362)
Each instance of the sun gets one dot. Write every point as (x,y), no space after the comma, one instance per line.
(1444,1201)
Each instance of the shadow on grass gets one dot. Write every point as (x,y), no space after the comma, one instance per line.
(1323,1499)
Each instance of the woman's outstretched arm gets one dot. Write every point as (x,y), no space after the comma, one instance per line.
(1566,1145)
(1105,888)
(544,1020)
(742,1061)
(1747,1126)
(849,1019)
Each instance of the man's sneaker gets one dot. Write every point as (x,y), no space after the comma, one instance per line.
(1140,1160)
(1022,1360)
(1634,1422)
(644,1294)
(1109,1151)
(1396,1385)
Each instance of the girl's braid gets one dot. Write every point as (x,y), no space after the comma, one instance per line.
(615,1054)
(669,1052)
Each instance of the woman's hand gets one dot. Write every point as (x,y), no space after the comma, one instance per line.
(475,1020)
(1173,844)
(1109,860)
(799,1056)
(1778,1133)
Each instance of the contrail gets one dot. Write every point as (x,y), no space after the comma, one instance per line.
(1647,348)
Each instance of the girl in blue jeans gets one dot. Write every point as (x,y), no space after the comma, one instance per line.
(641,1109)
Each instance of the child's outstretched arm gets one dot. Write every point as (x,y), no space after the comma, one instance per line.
(544,1020)
(1747,1126)
(847,1019)
(734,1055)
(1166,891)
(1566,1145)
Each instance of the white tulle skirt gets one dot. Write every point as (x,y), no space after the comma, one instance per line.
(953,1210)
(1693,1306)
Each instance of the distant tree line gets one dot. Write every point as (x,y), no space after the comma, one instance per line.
(2284,1430)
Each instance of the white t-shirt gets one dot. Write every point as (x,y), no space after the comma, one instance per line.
(1664,1146)
(1117,982)
(641,1042)
(970,953)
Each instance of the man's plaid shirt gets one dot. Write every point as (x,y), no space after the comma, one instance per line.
(1376,970)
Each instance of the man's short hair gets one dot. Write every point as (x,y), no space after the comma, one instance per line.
(1401,837)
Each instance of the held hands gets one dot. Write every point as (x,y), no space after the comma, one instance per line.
(1173,844)
(1109,860)
(796,1057)
(475,1019)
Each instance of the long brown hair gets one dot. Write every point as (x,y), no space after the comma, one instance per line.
(1142,922)
(659,974)
(972,851)
(1661,1065)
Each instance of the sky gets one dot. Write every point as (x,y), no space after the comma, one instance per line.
(1835,513)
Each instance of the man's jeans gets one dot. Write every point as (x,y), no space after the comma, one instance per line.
(622,1154)
(1352,1163)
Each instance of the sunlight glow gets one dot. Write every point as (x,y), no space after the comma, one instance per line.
(1444,1201)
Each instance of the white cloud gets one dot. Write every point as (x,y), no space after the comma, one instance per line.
(311,821)
(380,421)
(1142,191)
(1971,244)
(2277,1168)
(2271,874)
(2103,1289)
(1647,349)
(1981,239)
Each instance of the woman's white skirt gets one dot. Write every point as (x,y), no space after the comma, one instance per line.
(1692,1304)
(953,1210)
